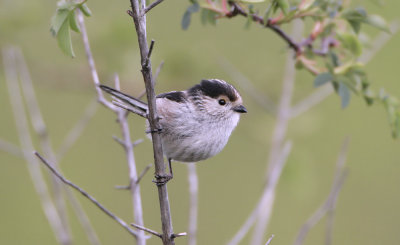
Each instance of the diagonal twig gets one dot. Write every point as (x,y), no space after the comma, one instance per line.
(21,121)
(76,131)
(152,5)
(330,202)
(87,195)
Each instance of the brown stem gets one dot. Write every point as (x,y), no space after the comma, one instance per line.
(140,26)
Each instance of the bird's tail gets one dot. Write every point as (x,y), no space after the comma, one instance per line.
(131,104)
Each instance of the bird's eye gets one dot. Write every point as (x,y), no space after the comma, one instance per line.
(222,102)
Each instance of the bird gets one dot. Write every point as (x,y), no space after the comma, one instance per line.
(195,123)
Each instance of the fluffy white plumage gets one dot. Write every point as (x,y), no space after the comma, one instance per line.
(196,123)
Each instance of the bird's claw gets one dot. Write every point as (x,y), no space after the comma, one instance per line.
(162,179)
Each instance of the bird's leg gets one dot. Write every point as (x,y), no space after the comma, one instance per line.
(163,179)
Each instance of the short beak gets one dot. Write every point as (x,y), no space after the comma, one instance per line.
(240,109)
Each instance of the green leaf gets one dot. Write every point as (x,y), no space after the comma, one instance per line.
(283,5)
(64,39)
(268,11)
(85,10)
(322,78)
(356,25)
(72,22)
(58,20)
(193,8)
(378,22)
(188,14)
(358,14)
(351,42)
(186,20)
(344,94)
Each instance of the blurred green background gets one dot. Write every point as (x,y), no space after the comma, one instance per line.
(230,183)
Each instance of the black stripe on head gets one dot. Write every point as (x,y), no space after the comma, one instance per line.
(215,88)
(174,96)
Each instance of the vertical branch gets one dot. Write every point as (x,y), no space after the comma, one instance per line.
(194,203)
(133,177)
(41,130)
(26,143)
(128,146)
(40,127)
(278,137)
(140,25)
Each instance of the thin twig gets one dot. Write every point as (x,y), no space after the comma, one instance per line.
(152,5)
(194,203)
(278,138)
(155,233)
(10,148)
(130,157)
(379,42)
(44,138)
(92,65)
(40,128)
(269,240)
(267,199)
(160,170)
(77,130)
(245,84)
(315,98)
(330,202)
(159,67)
(145,170)
(87,195)
(26,143)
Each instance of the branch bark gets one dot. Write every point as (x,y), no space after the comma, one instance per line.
(26,143)
(194,203)
(87,195)
(139,19)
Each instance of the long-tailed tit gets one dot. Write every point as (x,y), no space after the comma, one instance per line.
(195,123)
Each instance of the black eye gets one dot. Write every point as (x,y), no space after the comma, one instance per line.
(222,102)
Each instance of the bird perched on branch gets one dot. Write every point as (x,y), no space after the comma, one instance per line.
(195,123)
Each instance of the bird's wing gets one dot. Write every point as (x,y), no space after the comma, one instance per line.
(177,96)
(131,101)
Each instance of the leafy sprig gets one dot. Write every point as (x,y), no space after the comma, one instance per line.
(64,20)
(331,49)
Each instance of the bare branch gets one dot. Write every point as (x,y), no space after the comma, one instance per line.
(266,201)
(152,5)
(92,65)
(155,233)
(330,202)
(160,66)
(87,195)
(76,131)
(379,42)
(83,219)
(269,240)
(194,203)
(10,148)
(130,157)
(145,170)
(312,100)
(277,147)
(245,84)
(50,210)
(41,130)
(141,31)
